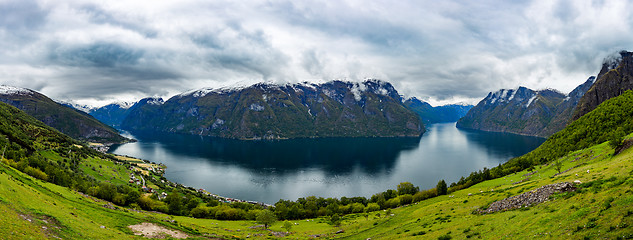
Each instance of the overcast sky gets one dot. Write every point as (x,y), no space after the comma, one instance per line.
(442,51)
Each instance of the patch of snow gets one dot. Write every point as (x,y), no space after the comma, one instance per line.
(80,107)
(309,112)
(265,97)
(256,107)
(10,90)
(462,104)
(514,92)
(218,122)
(124,105)
(551,90)
(329,93)
(357,89)
(381,91)
(204,91)
(155,101)
(592,79)
(530,101)
(504,94)
(307,85)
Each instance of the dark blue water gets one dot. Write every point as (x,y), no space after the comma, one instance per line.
(267,171)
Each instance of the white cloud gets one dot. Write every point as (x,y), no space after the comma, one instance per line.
(442,51)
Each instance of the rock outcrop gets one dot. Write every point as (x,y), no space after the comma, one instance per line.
(530,198)
(615,77)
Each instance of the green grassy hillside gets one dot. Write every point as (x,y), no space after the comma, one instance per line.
(71,122)
(602,208)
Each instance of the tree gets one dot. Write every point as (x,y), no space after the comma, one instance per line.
(441,187)
(407,188)
(615,140)
(266,217)
(335,220)
(287,226)
(558,165)
(174,203)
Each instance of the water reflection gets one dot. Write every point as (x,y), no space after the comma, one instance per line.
(269,170)
(502,143)
(334,155)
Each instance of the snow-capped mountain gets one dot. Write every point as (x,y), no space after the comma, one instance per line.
(263,110)
(430,114)
(80,107)
(11,90)
(113,113)
(524,111)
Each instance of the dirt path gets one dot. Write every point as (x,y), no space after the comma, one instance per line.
(150,230)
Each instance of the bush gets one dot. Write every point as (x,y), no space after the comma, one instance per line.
(423,195)
(357,207)
(36,173)
(393,203)
(406,199)
(372,207)
(200,212)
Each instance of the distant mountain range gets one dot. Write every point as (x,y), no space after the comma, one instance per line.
(543,113)
(67,120)
(112,114)
(372,108)
(439,114)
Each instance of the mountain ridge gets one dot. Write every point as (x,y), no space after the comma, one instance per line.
(525,111)
(371,108)
(70,121)
(437,114)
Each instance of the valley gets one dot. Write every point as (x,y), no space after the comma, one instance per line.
(266,171)
(600,208)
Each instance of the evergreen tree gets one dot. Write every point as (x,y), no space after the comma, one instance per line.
(441,188)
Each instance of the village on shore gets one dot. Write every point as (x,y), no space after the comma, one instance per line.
(140,168)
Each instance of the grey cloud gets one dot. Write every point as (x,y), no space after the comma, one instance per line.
(343,20)
(437,49)
(100,16)
(311,62)
(96,55)
(21,15)
(235,48)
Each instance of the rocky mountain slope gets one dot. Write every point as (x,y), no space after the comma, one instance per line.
(372,108)
(69,121)
(615,77)
(439,114)
(524,111)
